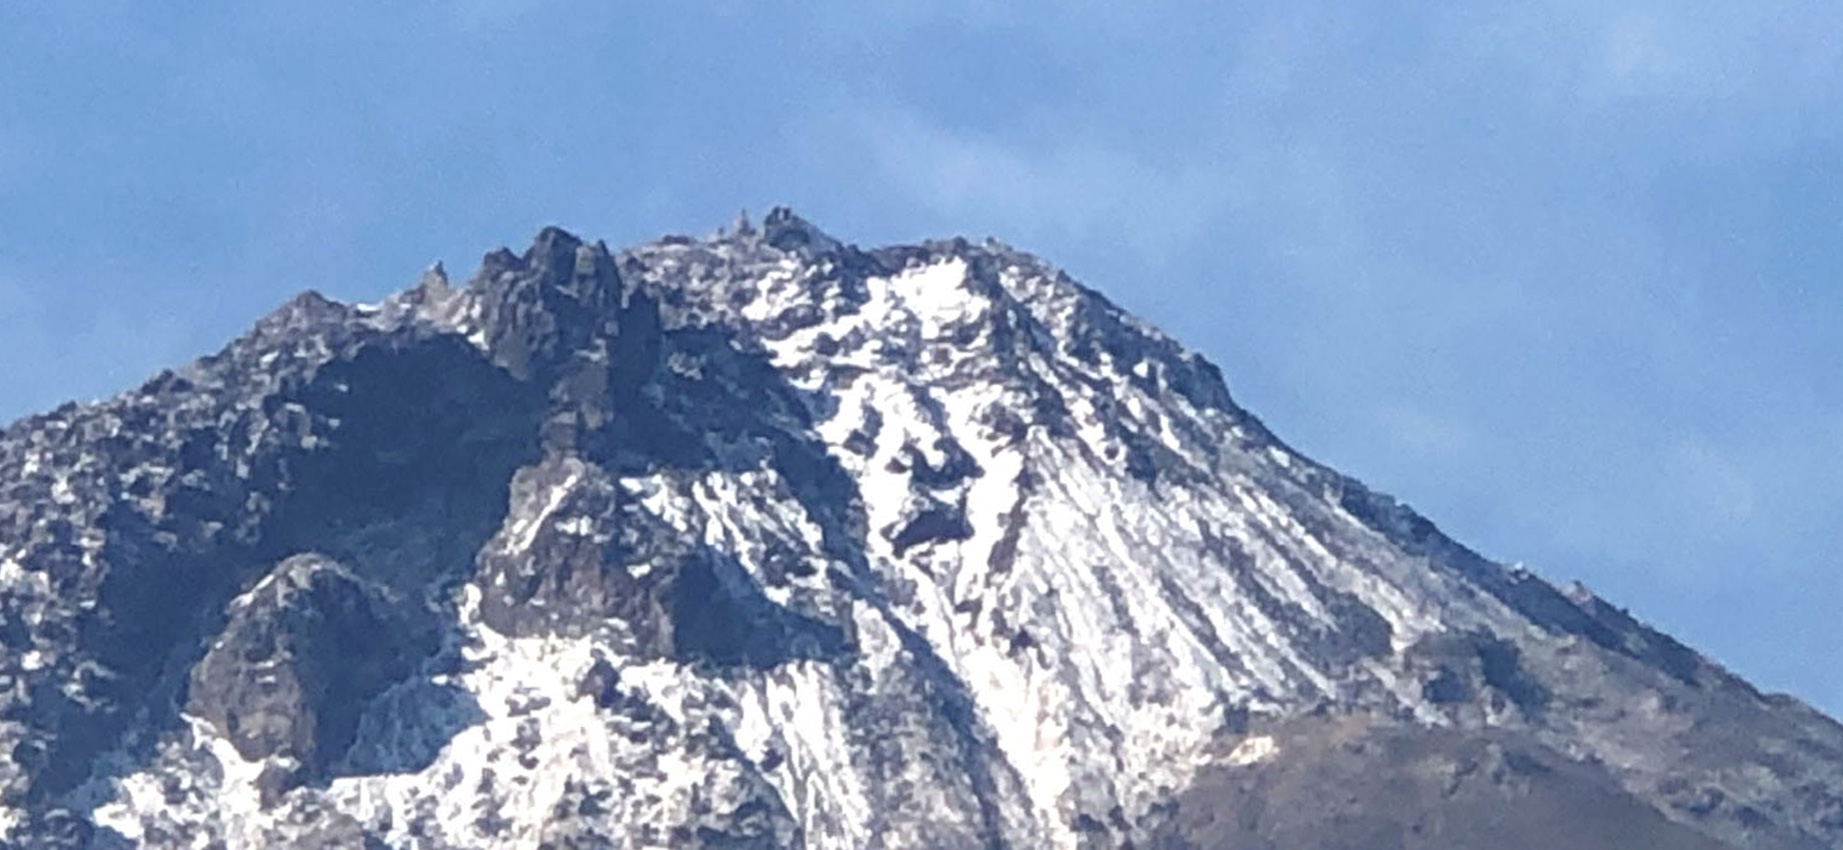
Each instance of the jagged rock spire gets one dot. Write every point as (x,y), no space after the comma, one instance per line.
(786,230)
(551,300)
(435,277)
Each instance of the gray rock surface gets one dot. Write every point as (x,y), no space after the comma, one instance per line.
(1352,783)
(764,540)
(301,654)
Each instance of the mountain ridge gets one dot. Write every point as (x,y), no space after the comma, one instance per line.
(764,540)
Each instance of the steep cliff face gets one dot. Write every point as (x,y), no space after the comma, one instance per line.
(764,540)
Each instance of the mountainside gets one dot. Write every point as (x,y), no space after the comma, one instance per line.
(766,541)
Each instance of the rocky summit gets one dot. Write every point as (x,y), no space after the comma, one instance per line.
(763,540)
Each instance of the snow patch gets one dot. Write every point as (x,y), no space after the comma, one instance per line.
(1253,749)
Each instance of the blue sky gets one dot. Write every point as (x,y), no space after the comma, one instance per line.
(1565,275)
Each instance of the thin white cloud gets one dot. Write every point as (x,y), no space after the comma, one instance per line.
(1426,433)
(1715,486)
(1052,186)
(1736,57)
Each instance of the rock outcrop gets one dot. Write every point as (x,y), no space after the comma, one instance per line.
(302,653)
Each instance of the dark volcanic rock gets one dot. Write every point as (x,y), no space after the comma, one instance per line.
(592,558)
(540,308)
(1467,669)
(303,653)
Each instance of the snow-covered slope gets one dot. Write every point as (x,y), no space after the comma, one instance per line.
(763,540)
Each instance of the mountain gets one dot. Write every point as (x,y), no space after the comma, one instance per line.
(763,540)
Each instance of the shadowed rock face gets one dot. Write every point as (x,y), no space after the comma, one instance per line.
(302,653)
(765,541)
(673,598)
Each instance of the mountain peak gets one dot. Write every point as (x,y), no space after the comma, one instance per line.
(742,226)
(537,307)
(553,249)
(435,276)
(786,230)
(762,541)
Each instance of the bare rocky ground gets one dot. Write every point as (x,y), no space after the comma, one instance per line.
(1359,783)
